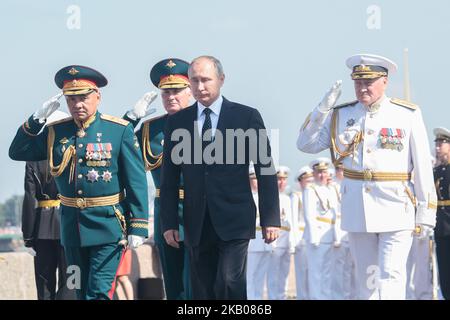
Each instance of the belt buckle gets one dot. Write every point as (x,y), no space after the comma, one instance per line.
(81,203)
(367,174)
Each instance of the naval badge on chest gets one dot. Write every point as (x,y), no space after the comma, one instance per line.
(98,154)
(391,138)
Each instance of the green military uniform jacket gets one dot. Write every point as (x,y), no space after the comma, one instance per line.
(151,140)
(106,161)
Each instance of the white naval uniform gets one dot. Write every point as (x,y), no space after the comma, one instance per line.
(301,266)
(419,285)
(280,258)
(376,212)
(257,261)
(320,218)
(343,282)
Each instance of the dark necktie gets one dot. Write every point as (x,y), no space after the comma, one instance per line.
(206,126)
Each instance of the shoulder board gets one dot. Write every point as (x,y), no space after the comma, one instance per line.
(154,119)
(59,121)
(347,104)
(404,103)
(114,119)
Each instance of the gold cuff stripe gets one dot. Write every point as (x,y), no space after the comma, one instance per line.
(180,194)
(82,203)
(139,225)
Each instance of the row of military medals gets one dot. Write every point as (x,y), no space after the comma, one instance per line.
(98,155)
(390,138)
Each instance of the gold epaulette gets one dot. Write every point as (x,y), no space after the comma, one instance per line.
(59,121)
(114,119)
(153,119)
(347,104)
(404,103)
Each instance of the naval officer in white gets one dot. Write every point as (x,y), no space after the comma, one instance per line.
(383,145)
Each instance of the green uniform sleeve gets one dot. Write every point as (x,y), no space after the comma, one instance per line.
(28,145)
(135,183)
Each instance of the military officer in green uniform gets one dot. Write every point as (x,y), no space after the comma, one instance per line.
(97,164)
(170,76)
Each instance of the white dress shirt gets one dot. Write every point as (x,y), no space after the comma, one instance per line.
(215,112)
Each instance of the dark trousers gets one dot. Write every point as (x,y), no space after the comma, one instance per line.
(218,268)
(48,261)
(443,259)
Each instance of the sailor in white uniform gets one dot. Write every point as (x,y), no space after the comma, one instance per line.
(383,145)
(343,282)
(258,252)
(304,177)
(320,235)
(280,259)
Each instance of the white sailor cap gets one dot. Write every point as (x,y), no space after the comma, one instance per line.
(442,134)
(304,172)
(321,163)
(370,66)
(283,171)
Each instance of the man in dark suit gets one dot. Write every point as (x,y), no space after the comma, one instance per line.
(219,140)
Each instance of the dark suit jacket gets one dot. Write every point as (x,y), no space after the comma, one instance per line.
(39,223)
(225,188)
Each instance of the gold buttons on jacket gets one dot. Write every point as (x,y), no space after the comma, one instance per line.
(80,160)
(80,176)
(80,192)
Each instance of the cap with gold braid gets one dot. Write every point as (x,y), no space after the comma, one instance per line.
(370,66)
(170,73)
(79,80)
(320,164)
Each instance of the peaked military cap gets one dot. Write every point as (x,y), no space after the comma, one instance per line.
(77,80)
(442,134)
(170,73)
(304,172)
(283,172)
(370,66)
(321,163)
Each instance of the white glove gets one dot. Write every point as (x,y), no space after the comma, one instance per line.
(330,98)
(48,107)
(142,108)
(423,231)
(337,244)
(31,251)
(135,241)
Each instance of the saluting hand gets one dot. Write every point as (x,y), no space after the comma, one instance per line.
(172,238)
(48,107)
(330,98)
(270,234)
(142,108)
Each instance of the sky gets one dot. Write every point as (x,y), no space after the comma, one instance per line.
(278,56)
